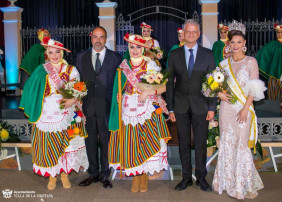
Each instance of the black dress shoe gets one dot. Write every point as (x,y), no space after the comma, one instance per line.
(203,185)
(89,180)
(106,183)
(183,184)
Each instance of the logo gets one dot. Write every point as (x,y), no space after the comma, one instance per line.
(7,193)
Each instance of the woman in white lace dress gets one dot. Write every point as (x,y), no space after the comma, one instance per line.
(58,134)
(235,171)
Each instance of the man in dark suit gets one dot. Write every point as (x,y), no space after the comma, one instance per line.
(187,105)
(98,66)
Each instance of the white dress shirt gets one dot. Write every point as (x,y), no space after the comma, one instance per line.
(101,57)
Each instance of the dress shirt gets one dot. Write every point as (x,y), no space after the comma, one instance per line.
(101,57)
(187,53)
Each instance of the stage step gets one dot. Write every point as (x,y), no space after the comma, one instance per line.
(12,114)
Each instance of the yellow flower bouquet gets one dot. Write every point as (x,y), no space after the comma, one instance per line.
(214,82)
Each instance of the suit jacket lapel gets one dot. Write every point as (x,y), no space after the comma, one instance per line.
(182,58)
(198,59)
(88,62)
(106,61)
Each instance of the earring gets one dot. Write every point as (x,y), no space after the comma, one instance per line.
(227,49)
(245,49)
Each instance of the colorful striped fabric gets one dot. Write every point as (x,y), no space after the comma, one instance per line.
(140,142)
(274,89)
(48,147)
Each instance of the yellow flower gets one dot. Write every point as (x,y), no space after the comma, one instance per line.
(214,86)
(4,135)
(210,79)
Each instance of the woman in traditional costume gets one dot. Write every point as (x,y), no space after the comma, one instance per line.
(146,33)
(220,48)
(269,58)
(181,42)
(144,130)
(57,138)
(34,57)
(235,170)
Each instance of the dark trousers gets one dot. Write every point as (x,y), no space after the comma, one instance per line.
(97,129)
(200,130)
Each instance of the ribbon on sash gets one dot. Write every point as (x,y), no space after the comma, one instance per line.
(241,97)
(53,75)
(133,81)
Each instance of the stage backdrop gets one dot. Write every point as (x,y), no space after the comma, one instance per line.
(54,13)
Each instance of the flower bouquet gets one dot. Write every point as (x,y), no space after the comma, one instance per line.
(152,80)
(158,51)
(214,82)
(73,89)
(155,53)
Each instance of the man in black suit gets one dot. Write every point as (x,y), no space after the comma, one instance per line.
(98,67)
(186,104)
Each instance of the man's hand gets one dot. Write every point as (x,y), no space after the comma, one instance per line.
(172,116)
(210,115)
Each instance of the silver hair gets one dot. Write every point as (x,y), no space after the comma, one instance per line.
(192,22)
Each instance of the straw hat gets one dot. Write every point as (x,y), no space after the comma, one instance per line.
(278,27)
(222,26)
(47,42)
(144,25)
(136,39)
(179,30)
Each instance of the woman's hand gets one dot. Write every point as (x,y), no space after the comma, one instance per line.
(225,97)
(242,115)
(68,102)
(144,95)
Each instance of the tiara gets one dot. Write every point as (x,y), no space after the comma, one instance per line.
(235,25)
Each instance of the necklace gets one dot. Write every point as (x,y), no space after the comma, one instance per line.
(223,40)
(136,66)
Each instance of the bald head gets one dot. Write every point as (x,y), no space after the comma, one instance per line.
(99,38)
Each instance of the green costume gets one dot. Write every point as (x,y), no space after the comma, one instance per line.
(269,59)
(33,58)
(33,94)
(218,49)
(114,118)
(172,48)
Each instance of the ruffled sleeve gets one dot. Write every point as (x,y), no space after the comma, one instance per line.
(152,65)
(254,87)
(74,74)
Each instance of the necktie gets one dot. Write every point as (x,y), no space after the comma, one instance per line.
(98,63)
(190,63)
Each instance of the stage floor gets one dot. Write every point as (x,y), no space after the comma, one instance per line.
(21,181)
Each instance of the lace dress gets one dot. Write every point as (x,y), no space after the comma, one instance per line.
(235,171)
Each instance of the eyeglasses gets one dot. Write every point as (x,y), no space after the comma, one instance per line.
(191,32)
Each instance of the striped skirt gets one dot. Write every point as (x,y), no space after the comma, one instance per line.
(142,143)
(48,148)
(274,89)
